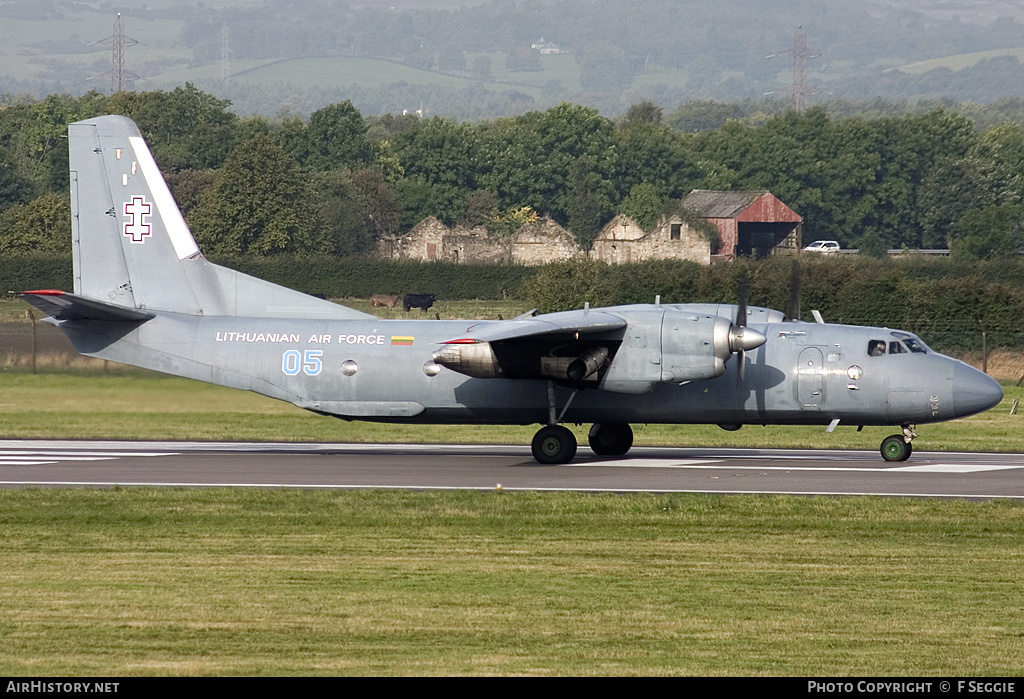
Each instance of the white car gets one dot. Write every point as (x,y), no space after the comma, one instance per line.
(823,246)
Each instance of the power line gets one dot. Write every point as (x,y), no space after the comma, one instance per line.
(120,77)
(801,55)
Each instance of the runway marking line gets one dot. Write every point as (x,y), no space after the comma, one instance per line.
(718,465)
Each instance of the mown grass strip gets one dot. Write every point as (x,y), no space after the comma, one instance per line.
(213,582)
(143,405)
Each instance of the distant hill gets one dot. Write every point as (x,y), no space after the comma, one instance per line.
(476,59)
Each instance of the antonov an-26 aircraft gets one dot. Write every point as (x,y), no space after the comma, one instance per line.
(144,295)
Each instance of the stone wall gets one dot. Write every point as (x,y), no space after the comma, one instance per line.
(622,241)
(543,241)
(533,244)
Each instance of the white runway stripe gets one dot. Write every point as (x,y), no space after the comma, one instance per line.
(718,465)
(48,457)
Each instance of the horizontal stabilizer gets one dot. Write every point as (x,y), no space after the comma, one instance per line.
(64,306)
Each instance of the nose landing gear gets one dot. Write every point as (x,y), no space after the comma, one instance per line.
(897,447)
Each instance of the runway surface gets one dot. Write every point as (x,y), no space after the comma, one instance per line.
(27,463)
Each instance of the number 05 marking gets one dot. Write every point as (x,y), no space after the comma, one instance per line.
(309,362)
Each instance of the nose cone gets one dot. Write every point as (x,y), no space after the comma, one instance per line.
(973,391)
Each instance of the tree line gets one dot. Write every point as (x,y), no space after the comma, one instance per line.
(335,183)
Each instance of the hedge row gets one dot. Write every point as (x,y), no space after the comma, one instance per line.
(923,296)
(331,277)
(337,278)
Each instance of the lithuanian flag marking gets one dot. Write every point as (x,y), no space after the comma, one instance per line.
(401,339)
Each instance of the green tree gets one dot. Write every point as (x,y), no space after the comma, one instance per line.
(40,226)
(185,128)
(36,136)
(381,206)
(15,187)
(440,160)
(337,138)
(643,205)
(645,112)
(344,227)
(658,155)
(949,190)
(259,205)
(188,186)
(568,284)
(528,160)
(479,208)
(990,232)
(587,204)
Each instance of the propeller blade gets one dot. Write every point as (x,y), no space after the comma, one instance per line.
(741,309)
(793,312)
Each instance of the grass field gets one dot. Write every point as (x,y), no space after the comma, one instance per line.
(960,61)
(215,582)
(133,404)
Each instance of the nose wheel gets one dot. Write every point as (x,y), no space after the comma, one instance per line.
(897,447)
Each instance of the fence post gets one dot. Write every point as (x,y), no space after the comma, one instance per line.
(32,318)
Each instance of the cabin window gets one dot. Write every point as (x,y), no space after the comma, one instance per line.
(897,348)
(876,348)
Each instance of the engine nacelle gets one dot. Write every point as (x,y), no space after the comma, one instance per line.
(694,347)
(471,358)
(676,347)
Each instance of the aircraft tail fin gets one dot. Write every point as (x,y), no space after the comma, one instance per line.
(132,247)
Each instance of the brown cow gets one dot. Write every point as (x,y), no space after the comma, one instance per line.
(384,300)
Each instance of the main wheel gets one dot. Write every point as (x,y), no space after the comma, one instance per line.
(554,444)
(611,439)
(896,448)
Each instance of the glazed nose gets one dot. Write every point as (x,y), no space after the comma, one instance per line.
(973,391)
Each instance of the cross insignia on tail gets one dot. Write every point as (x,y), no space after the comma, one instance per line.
(136,227)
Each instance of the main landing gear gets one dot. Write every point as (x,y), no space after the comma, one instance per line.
(897,447)
(554,444)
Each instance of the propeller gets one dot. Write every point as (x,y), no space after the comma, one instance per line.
(742,338)
(793,312)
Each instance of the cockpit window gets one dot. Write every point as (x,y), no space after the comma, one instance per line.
(911,342)
(876,348)
(897,348)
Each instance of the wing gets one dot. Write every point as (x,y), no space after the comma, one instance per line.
(625,349)
(540,347)
(565,323)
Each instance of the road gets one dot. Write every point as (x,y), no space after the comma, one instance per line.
(26,463)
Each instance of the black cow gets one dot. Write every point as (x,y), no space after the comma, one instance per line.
(423,301)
